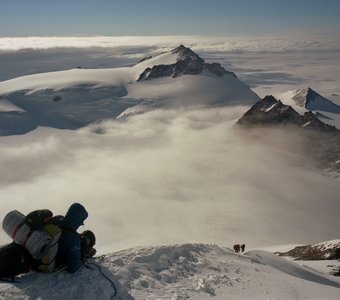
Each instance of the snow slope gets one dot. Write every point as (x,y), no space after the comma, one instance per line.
(307,99)
(319,251)
(189,271)
(74,98)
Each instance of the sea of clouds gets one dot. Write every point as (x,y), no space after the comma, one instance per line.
(173,177)
(176,176)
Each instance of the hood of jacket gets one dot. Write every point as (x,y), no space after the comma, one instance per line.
(76,215)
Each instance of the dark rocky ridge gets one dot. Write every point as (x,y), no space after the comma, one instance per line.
(270,111)
(188,63)
(322,140)
(313,252)
(316,252)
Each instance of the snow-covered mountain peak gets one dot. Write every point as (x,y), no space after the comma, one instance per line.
(272,112)
(187,63)
(303,97)
(185,53)
(307,99)
(74,98)
(269,111)
(322,139)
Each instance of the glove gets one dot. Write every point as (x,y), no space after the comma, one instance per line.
(92,252)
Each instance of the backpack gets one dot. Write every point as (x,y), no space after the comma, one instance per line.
(14,260)
(38,218)
(37,233)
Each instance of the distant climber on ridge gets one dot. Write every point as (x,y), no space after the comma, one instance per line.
(243,246)
(237,248)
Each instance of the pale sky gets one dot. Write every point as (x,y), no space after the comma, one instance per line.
(164,17)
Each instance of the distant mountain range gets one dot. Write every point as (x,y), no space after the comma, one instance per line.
(75,98)
(325,250)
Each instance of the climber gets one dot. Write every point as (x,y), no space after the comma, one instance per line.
(237,248)
(69,252)
(243,246)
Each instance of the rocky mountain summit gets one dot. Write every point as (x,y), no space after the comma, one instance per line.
(188,63)
(270,111)
(322,140)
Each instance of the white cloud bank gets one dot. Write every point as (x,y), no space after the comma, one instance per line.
(168,177)
(218,44)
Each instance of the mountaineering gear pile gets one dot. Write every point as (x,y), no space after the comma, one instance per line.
(69,252)
(36,242)
(14,260)
(36,234)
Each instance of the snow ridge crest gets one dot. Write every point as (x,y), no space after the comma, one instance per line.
(188,63)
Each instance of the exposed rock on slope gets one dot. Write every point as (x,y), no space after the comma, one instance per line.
(272,112)
(322,140)
(307,99)
(188,63)
(328,250)
(75,98)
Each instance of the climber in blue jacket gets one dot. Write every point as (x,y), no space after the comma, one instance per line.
(69,251)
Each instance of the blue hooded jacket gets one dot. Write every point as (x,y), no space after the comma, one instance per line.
(69,251)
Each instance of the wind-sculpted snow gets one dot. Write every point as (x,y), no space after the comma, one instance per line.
(288,267)
(187,271)
(200,271)
(86,284)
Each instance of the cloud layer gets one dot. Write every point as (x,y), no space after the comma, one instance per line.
(173,176)
(217,44)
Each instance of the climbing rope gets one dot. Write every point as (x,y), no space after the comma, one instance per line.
(34,283)
(105,276)
(45,277)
